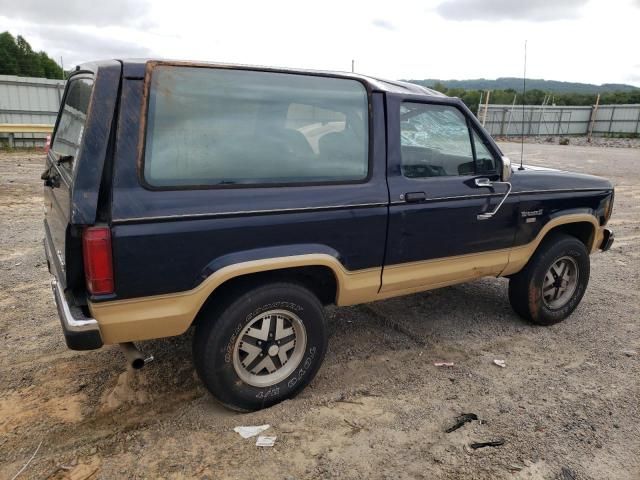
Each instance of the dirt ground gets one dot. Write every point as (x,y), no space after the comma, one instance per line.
(567,404)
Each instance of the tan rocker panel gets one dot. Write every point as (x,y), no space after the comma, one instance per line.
(172,314)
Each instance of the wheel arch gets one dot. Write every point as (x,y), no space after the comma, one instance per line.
(584,226)
(582,230)
(321,280)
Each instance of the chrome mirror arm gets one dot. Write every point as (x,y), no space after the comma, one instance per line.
(483,183)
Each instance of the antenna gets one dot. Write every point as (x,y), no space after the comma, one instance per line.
(524,92)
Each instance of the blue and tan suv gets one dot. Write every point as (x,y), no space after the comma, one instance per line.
(241,200)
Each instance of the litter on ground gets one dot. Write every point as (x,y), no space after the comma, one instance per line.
(266,441)
(248,432)
(443,364)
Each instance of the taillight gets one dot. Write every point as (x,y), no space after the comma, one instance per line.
(98,264)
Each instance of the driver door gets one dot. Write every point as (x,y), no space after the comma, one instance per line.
(436,151)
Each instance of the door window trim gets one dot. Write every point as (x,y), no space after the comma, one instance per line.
(150,66)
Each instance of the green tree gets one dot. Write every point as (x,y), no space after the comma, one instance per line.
(8,54)
(18,58)
(439,86)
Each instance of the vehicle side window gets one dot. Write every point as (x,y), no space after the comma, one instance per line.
(485,161)
(70,131)
(212,126)
(436,141)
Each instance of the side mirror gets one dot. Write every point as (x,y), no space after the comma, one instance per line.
(506,169)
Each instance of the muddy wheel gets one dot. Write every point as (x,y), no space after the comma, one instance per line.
(262,346)
(552,284)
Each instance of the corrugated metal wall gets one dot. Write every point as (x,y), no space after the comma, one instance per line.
(29,100)
(505,120)
(36,101)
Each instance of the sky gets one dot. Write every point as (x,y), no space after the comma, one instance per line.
(591,41)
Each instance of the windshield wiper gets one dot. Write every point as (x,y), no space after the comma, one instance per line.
(64,159)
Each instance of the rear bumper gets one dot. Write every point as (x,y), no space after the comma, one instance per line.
(607,239)
(80,332)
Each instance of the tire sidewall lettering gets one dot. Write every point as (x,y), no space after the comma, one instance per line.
(302,371)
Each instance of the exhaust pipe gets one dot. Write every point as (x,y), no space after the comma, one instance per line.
(134,357)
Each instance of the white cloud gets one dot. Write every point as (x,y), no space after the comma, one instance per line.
(77,12)
(528,11)
(409,39)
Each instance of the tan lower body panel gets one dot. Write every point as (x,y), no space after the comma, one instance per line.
(172,314)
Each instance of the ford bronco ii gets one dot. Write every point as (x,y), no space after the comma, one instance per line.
(240,200)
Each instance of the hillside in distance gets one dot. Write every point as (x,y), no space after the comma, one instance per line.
(504,83)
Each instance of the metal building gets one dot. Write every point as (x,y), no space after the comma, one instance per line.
(28,101)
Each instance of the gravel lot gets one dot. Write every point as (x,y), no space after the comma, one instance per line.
(567,405)
(579,141)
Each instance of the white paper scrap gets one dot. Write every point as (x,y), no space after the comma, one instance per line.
(266,441)
(248,432)
(500,363)
(443,364)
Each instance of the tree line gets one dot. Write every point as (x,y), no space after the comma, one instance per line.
(18,58)
(471,98)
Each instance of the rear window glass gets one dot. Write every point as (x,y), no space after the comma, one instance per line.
(208,126)
(70,131)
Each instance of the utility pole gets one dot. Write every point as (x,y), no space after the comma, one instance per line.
(353,66)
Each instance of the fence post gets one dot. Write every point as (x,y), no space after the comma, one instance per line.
(592,119)
(486,108)
(530,122)
(613,110)
(504,114)
(638,123)
(560,121)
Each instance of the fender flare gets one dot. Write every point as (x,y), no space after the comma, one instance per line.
(520,255)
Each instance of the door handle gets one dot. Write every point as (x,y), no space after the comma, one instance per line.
(411,197)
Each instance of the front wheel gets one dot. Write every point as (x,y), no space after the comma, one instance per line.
(552,284)
(262,346)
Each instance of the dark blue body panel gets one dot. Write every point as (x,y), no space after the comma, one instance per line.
(164,257)
(166,241)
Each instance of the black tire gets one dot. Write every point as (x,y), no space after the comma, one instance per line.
(526,287)
(220,334)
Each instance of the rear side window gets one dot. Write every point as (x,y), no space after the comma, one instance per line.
(208,126)
(68,137)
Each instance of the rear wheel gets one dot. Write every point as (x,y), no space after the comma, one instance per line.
(552,284)
(261,346)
